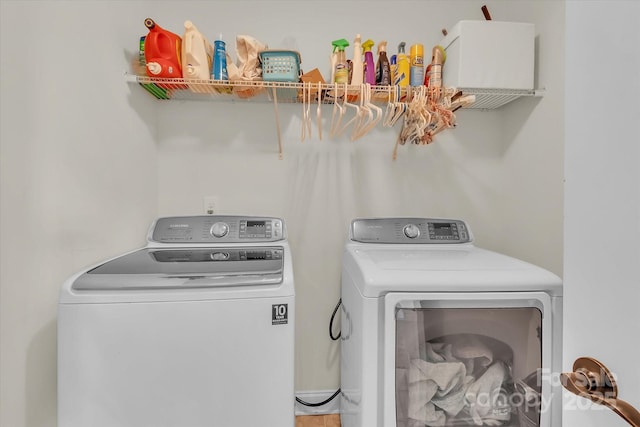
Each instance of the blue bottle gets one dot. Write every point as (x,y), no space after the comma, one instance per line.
(219,61)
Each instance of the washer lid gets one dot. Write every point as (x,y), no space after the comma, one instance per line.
(153,268)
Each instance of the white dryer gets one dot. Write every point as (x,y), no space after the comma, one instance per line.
(439,332)
(196,329)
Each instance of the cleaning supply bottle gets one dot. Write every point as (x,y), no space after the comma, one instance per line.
(416,58)
(393,67)
(162,52)
(402,75)
(383,68)
(341,69)
(369,68)
(219,60)
(357,66)
(333,60)
(197,54)
(438,57)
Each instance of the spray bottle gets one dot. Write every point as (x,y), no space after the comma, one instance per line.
(162,51)
(383,68)
(357,66)
(341,74)
(369,66)
(417,65)
(402,76)
(438,57)
(219,60)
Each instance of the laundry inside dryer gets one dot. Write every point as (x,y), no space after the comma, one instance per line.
(445,376)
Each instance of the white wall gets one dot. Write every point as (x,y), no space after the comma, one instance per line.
(602,197)
(83,151)
(78,176)
(501,170)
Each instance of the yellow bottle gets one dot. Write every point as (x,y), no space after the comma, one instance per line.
(416,56)
(402,73)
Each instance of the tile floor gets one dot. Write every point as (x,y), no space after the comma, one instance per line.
(332,420)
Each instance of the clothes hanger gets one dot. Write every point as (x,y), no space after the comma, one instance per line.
(377,111)
(365,114)
(337,114)
(390,110)
(319,112)
(345,104)
(305,113)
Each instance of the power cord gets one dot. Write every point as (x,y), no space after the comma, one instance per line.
(324,402)
(335,310)
(337,392)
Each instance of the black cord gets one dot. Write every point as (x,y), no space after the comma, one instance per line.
(333,396)
(335,310)
(324,402)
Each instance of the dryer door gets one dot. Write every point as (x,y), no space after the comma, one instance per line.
(467,359)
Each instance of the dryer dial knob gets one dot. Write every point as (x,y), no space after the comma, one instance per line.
(219,229)
(411,231)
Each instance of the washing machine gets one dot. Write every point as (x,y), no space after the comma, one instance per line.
(195,329)
(439,332)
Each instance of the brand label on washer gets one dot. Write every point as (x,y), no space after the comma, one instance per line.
(279,314)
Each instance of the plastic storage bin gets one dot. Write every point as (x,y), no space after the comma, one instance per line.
(280,65)
(490,55)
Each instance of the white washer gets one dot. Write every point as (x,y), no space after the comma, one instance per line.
(436,331)
(196,329)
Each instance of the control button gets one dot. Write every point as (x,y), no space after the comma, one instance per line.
(411,231)
(220,256)
(219,229)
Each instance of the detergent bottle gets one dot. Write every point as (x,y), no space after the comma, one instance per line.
(383,68)
(197,54)
(402,74)
(369,66)
(162,52)
(341,74)
(357,72)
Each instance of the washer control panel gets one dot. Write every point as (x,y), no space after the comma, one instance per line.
(217,229)
(409,230)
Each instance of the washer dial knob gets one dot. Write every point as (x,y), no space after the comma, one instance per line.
(219,229)
(411,231)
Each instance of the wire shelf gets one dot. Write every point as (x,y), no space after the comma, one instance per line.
(293,92)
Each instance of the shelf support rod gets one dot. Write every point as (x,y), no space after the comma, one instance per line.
(275,107)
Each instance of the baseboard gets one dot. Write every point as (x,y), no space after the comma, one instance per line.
(332,407)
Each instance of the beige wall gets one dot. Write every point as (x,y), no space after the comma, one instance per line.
(89,160)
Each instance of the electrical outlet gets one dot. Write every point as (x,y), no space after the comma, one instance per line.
(211,204)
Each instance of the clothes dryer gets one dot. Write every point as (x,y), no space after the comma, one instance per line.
(439,332)
(195,329)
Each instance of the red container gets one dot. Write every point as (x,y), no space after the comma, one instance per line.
(162,52)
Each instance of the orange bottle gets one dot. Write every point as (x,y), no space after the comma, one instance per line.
(162,52)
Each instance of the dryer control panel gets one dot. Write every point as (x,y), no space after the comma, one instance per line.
(217,229)
(409,230)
